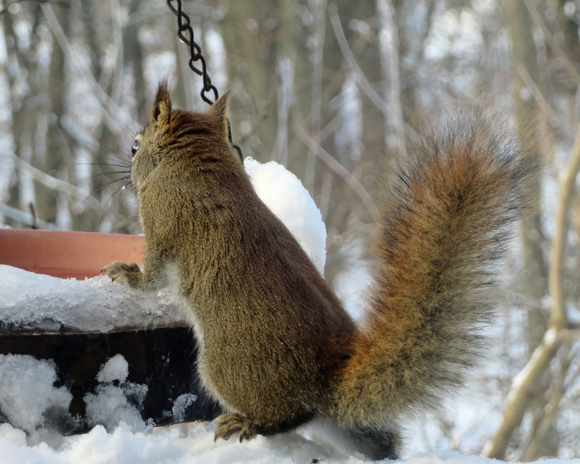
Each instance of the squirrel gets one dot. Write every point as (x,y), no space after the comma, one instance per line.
(276,347)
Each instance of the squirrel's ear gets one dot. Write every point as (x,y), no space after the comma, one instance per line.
(220,107)
(161,112)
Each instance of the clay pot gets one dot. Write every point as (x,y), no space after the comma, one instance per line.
(67,254)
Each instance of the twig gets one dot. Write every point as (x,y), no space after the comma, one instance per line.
(568,334)
(24,218)
(102,97)
(549,411)
(338,169)
(521,393)
(525,75)
(558,318)
(117,86)
(555,46)
(351,61)
(365,85)
(33,214)
(316,109)
(57,184)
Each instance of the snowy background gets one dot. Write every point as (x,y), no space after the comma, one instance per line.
(30,401)
(331,90)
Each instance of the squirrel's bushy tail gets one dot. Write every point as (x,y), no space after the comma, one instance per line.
(445,224)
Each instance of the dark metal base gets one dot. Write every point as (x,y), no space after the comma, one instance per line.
(164,359)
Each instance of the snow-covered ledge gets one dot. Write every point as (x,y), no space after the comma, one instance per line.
(36,303)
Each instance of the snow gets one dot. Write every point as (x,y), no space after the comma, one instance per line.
(193,444)
(289,200)
(27,394)
(116,368)
(182,402)
(50,304)
(112,404)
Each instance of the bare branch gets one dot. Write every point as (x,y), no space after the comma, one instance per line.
(339,169)
(525,75)
(521,393)
(568,334)
(24,218)
(549,410)
(119,68)
(350,59)
(111,117)
(558,318)
(57,184)
(555,46)
(315,109)
(389,41)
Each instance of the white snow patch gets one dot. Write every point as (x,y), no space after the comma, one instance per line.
(116,368)
(180,405)
(112,404)
(27,393)
(285,195)
(195,445)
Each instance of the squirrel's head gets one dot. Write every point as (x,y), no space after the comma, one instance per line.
(171,135)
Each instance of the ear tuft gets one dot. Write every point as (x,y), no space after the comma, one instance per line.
(161,112)
(219,108)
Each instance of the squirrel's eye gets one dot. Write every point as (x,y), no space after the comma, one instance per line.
(135,147)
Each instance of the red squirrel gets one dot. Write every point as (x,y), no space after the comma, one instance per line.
(276,347)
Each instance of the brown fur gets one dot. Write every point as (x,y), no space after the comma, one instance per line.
(445,223)
(276,346)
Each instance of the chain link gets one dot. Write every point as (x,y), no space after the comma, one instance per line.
(184,25)
(185,28)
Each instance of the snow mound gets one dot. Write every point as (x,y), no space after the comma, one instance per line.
(116,368)
(289,200)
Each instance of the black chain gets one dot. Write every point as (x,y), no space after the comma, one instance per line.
(184,25)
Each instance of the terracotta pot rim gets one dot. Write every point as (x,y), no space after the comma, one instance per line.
(67,254)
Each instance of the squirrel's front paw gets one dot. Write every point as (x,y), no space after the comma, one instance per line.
(126,274)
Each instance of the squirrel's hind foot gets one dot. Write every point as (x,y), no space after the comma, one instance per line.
(228,424)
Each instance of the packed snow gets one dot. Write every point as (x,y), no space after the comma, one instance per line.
(287,198)
(29,389)
(49,304)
